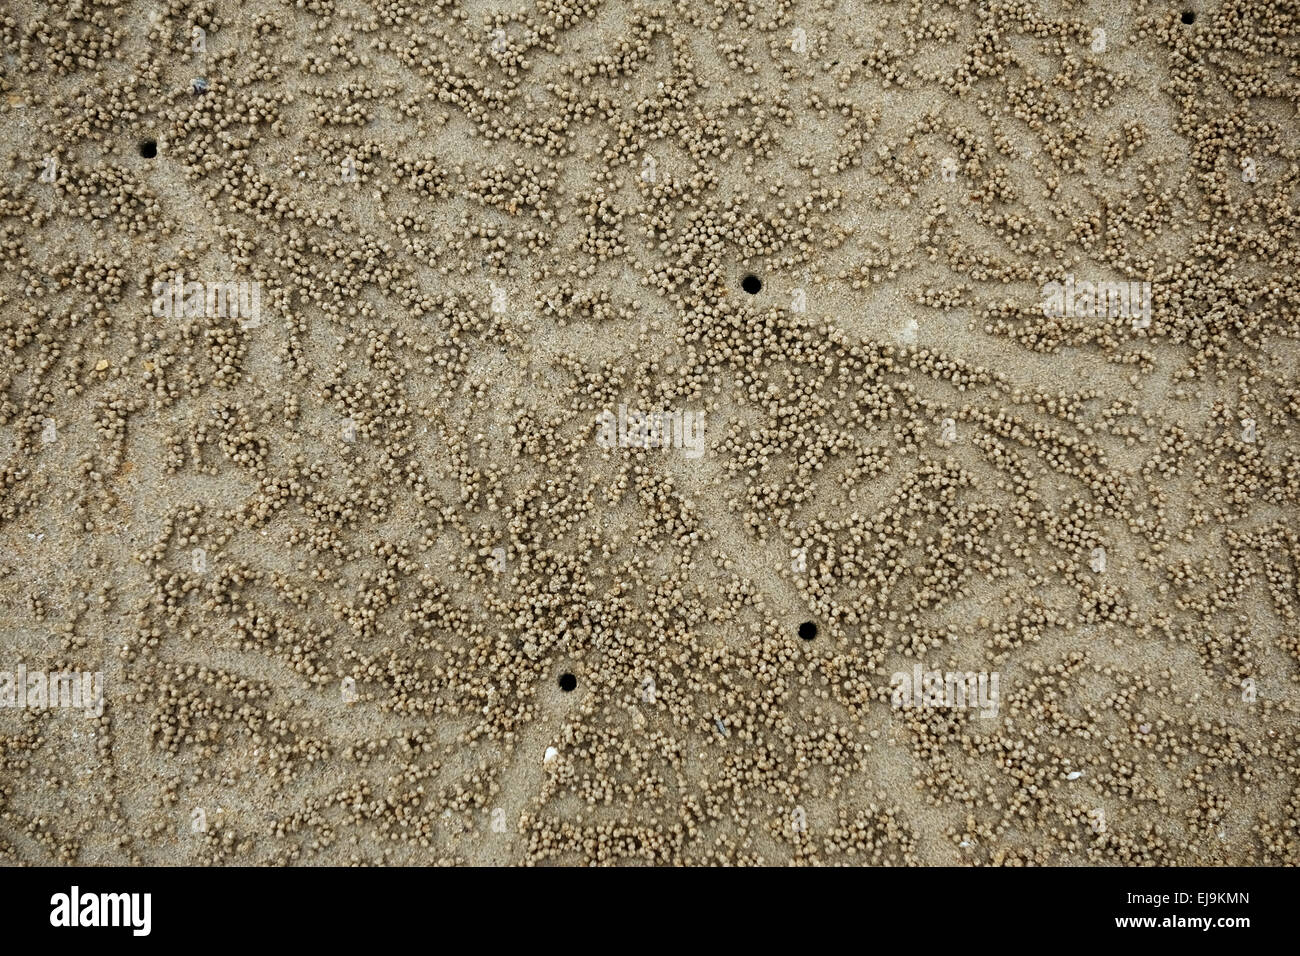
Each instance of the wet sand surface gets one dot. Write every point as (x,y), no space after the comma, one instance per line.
(965,529)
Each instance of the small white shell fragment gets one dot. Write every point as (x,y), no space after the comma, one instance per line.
(550,756)
(1074,775)
(1144,729)
(965,843)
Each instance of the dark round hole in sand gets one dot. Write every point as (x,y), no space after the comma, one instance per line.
(752,284)
(149,148)
(568,682)
(1189,16)
(807,630)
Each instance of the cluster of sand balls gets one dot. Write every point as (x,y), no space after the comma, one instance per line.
(366,588)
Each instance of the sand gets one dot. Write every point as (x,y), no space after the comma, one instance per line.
(391,568)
